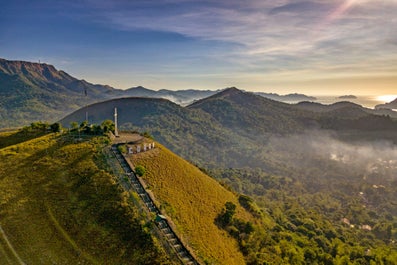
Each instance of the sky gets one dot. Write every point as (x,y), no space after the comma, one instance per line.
(314,47)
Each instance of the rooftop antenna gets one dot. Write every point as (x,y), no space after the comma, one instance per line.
(116,132)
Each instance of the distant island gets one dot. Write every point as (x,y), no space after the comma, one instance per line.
(348,97)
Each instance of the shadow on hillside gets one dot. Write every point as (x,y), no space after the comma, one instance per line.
(18,137)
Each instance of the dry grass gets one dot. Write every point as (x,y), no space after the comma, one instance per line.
(193,200)
(58,207)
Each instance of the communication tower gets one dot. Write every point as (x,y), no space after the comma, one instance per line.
(116,132)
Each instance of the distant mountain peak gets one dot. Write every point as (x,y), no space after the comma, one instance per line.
(23,67)
(231,90)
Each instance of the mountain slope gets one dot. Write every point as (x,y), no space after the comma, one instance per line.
(182,97)
(32,91)
(345,109)
(59,206)
(249,113)
(193,201)
(36,91)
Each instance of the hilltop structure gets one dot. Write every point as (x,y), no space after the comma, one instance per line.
(116,132)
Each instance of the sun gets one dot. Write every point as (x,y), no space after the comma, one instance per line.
(386,98)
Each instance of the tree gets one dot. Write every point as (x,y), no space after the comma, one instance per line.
(107,126)
(122,149)
(74,126)
(140,170)
(56,127)
(228,212)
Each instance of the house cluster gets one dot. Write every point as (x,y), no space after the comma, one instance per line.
(140,148)
(362,227)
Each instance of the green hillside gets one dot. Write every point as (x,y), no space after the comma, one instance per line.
(37,91)
(59,206)
(34,91)
(251,114)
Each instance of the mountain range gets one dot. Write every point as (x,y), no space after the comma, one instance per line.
(38,91)
(232,119)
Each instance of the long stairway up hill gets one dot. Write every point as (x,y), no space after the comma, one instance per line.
(193,201)
(166,230)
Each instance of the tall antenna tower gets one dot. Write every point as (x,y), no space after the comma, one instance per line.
(116,132)
(86,106)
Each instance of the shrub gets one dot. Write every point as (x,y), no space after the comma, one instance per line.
(140,170)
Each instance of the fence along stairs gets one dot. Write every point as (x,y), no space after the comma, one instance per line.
(166,230)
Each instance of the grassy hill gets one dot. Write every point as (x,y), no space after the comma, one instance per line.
(59,206)
(193,201)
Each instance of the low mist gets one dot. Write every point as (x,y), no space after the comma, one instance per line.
(374,161)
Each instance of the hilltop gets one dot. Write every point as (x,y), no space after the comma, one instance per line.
(60,205)
(246,112)
(61,200)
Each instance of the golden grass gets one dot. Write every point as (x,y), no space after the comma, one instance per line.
(58,207)
(193,200)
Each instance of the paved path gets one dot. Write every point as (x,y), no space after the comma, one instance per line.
(161,222)
(127,138)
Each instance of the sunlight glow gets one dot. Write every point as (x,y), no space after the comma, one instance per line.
(386,98)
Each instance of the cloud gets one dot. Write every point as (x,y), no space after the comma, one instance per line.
(301,7)
(256,37)
(261,28)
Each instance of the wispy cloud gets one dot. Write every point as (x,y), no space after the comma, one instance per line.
(255,39)
(311,32)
